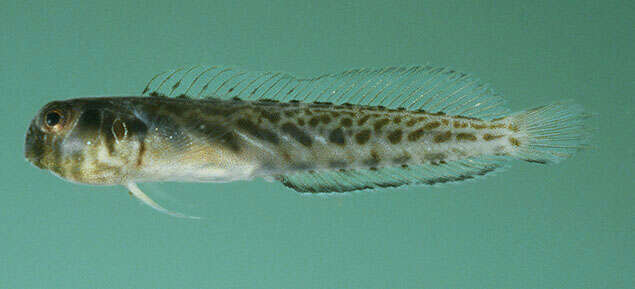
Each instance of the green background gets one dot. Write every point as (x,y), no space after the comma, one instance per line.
(565,226)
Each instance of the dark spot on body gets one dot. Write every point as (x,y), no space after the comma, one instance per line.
(465,137)
(402,159)
(380,123)
(435,158)
(314,121)
(489,137)
(325,119)
(514,141)
(411,122)
(298,134)
(442,137)
(477,125)
(415,135)
(273,117)
(362,137)
(397,120)
(374,159)
(300,122)
(467,117)
(346,122)
(432,125)
(363,120)
(395,136)
(337,136)
(258,132)
(156,94)
(230,140)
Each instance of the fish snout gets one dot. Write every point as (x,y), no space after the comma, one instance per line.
(34,146)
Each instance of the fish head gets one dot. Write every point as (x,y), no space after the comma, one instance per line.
(91,141)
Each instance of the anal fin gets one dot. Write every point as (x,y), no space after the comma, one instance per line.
(330,181)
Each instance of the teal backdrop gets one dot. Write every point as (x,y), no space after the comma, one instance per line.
(569,225)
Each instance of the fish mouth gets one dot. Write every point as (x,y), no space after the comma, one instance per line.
(34,148)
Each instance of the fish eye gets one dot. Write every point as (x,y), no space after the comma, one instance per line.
(53,120)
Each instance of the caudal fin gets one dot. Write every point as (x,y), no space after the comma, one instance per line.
(551,133)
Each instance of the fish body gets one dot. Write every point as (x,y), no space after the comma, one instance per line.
(356,130)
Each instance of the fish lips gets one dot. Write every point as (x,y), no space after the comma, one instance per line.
(34,146)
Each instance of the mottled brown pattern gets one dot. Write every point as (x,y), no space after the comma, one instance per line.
(374,159)
(432,125)
(442,137)
(475,125)
(314,121)
(273,117)
(258,132)
(465,137)
(415,135)
(514,141)
(380,123)
(337,136)
(445,121)
(325,119)
(362,137)
(346,122)
(363,120)
(402,159)
(489,137)
(395,136)
(298,134)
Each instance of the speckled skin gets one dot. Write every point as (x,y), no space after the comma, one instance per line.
(136,139)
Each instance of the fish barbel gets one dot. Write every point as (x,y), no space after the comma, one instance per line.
(356,130)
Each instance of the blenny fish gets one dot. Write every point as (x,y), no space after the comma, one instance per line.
(357,130)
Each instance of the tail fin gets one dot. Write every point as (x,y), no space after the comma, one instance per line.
(551,133)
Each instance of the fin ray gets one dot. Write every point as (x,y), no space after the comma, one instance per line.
(330,181)
(140,195)
(412,87)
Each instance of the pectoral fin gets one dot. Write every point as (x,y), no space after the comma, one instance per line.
(134,190)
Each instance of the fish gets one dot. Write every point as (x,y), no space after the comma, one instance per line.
(361,129)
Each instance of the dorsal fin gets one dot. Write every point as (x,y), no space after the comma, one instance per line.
(414,88)
(330,181)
